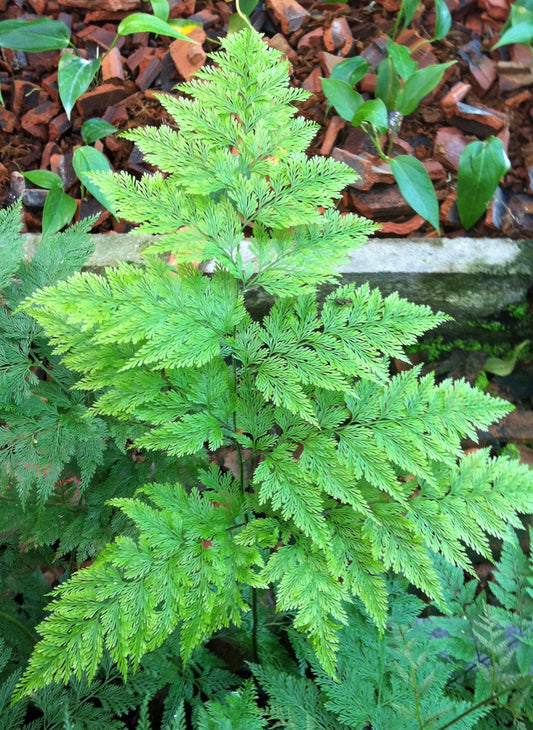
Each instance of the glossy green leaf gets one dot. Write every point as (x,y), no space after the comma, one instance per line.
(44,179)
(404,65)
(502,367)
(248,6)
(387,83)
(161,9)
(374,112)
(416,187)
(341,95)
(418,86)
(408,10)
(58,211)
(521,12)
(144,23)
(74,75)
(86,160)
(33,36)
(481,167)
(352,70)
(520,33)
(237,23)
(94,129)
(443,20)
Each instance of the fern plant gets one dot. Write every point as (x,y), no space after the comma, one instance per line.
(472,668)
(59,463)
(314,473)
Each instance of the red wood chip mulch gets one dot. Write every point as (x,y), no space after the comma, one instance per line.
(485,93)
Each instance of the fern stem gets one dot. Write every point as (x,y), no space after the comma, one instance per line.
(487,700)
(15,622)
(414,684)
(42,366)
(255,653)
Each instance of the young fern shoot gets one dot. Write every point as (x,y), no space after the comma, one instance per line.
(335,472)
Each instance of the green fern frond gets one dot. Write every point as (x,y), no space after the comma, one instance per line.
(11,253)
(238,712)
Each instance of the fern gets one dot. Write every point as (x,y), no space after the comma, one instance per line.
(307,469)
(43,428)
(238,712)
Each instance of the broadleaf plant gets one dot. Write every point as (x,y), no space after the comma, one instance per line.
(400,87)
(59,208)
(75,73)
(481,167)
(312,472)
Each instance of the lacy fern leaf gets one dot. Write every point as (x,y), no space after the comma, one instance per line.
(316,472)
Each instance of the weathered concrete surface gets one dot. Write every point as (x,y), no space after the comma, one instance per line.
(469,279)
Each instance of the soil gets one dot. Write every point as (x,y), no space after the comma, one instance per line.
(34,134)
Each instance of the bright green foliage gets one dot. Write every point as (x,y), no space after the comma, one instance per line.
(110,703)
(469,669)
(239,712)
(316,472)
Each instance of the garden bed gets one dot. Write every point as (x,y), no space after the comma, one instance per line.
(36,134)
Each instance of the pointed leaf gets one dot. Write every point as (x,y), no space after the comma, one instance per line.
(58,211)
(408,10)
(416,187)
(418,86)
(341,95)
(401,58)
(247,6)
(144,23)
(33,36)
(375,113)
(74,75)
(501,367)
(443,20)
(520,33)
(86,160)
(481,167)
(161,9)
(94,129)
(352,70)
(44,179)
(387,83)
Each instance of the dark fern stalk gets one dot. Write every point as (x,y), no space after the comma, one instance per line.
(349,474)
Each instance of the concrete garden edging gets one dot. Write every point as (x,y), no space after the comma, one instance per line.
(469,279)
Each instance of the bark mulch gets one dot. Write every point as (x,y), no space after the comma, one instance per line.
(36,134)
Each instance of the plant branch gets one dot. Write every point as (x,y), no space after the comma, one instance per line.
(491,698)
(15,622)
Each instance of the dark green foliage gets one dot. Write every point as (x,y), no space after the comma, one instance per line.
(470,669)
(237,467)
(45,437)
